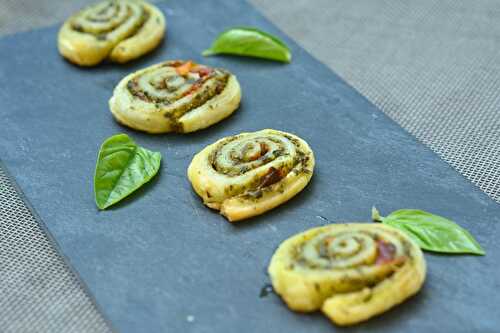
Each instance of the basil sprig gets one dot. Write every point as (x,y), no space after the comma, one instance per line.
(431,232)
(250,42)
(122,167)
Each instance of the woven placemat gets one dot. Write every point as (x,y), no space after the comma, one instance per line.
(431,65)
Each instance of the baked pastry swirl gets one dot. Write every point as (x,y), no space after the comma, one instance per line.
(175,96)
(351,272)
(120,30)
(250,173)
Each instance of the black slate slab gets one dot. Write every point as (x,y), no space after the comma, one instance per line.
(161,256)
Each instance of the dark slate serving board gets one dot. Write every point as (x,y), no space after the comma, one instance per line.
(161,256)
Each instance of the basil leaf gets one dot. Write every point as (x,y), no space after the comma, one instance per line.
(250,42)
(431,232)
(122,167)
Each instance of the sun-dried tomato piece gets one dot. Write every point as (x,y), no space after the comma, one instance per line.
(184,68)
(273,176)
(386,252)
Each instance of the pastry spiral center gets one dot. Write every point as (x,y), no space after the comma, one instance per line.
(167,84)
(106,17)
(349,249)
(245,154)
(106,11)
(340,251)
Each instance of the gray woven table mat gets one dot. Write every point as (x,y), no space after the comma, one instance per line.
(431,65)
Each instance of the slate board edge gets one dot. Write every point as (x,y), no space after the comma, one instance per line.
(56,245)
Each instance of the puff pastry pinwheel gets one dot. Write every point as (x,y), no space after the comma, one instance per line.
(119,30)
(175,96)
(250,173)
(351,272)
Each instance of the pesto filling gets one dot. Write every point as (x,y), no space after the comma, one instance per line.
(166,89)
(321,252)
(240,154)
(100,24)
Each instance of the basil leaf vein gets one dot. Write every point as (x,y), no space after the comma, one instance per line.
(252,42)
(122,167)
(431,232)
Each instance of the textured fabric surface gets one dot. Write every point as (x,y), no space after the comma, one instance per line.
(431,65)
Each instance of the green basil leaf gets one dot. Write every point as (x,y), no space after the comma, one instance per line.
(122,167)
(250,42)
(431,232)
